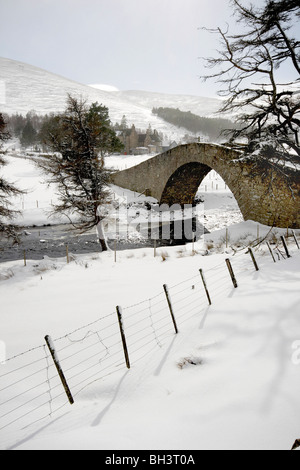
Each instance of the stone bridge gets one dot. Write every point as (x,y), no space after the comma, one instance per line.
(264,192)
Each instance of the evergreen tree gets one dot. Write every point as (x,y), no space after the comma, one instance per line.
(7,190)
(123,125)
(4,134)
(82,136)
(29,135)
(17,123)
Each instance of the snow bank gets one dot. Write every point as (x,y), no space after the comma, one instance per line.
(228,380)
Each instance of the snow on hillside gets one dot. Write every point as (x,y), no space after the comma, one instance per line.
(24,88)
(104,87)
(206,107)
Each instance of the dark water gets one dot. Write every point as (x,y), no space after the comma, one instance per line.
(52,241)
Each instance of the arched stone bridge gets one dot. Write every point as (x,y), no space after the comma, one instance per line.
(264,193)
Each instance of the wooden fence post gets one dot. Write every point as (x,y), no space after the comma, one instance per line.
(295,238)
(253,259)
(119,312)
(285,246)
(53,353)
(24,254)
(234,281)
(67,253)
(170,307)
(205,286)
(271,251)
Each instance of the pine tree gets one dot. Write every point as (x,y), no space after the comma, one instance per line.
(123,125)
(7,190)
(80,137)
(29,135)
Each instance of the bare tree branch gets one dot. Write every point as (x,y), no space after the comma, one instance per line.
(263,110)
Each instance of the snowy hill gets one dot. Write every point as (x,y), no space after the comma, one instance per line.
(24,88)
(207,107)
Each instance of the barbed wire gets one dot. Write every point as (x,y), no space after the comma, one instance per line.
(33,391)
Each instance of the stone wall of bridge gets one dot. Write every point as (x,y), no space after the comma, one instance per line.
(265,193)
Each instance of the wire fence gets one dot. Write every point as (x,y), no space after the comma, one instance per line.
(30,386)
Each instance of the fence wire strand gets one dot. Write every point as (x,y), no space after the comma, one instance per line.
(94,351)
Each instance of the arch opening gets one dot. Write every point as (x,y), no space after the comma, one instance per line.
(220,208)
(195,183)
(182,186)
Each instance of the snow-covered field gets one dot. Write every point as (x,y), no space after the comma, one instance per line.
(228,380)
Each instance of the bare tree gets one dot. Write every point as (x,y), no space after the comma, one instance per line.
(80,138)
(247,69)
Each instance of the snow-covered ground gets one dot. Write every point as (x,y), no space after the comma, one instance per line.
(228,380)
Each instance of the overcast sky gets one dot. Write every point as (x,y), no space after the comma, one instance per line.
(151,45)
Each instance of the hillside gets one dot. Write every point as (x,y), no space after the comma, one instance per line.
(24,87)
(202,106)
(212,127)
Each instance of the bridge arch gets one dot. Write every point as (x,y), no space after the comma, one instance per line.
(263,193)
(183,184)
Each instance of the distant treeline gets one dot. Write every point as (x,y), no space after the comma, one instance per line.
(29,129)
(212,127)
(25,128)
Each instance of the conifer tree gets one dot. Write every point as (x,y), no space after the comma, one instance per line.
(29,134)
(7,190)
(80,138)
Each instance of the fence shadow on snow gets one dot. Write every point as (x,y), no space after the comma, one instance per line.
(40,382)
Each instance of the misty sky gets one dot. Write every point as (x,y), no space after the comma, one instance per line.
(151,45)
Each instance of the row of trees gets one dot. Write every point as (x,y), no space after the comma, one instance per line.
(122,127)
(31,129)
(212,127)
(26,128)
